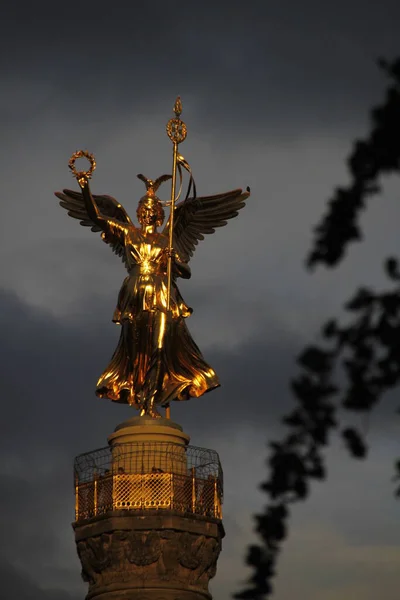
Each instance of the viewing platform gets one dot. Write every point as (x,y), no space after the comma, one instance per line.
(148,475)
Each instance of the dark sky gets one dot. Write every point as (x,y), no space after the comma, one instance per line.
(273,95)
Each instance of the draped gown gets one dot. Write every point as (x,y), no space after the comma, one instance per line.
(156,353)
(156,359)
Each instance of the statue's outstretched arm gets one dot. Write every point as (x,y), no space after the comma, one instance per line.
(114,229)
(90,204)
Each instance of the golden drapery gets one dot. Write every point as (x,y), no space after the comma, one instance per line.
(156,359)
(156,355)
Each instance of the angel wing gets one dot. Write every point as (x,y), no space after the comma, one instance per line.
(109,207)
(196,217)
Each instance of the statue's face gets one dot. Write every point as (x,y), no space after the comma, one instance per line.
(147,215)
(150,213)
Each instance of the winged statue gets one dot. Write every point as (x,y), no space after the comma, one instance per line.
(156,359)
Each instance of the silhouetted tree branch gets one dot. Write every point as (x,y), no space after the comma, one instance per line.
(366,352)
(377,155)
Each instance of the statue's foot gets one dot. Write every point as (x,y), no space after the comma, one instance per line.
(150,412)
(154,414)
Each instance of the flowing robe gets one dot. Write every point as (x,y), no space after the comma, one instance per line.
(156,355)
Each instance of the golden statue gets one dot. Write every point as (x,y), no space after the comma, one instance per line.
(156,360)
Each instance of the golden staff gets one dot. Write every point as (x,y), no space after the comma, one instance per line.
(177,131)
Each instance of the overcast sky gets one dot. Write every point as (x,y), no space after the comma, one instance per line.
(273,95)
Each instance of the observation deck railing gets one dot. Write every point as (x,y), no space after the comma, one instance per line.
(154,475)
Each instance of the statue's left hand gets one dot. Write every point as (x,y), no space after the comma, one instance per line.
(169,252)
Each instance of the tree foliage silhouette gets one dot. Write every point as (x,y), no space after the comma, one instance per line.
(367,350)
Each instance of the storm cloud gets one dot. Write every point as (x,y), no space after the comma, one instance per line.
(273,94)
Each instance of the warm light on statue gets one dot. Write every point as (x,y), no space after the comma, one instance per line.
(156,360)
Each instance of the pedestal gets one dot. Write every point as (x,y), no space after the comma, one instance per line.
(149,556)
(148,514)
(147,437)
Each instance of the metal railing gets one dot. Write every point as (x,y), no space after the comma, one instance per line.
(148,476)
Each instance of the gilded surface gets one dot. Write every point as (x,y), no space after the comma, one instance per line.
(156,359)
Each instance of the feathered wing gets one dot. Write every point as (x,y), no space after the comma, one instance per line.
(109,208)
(196,217)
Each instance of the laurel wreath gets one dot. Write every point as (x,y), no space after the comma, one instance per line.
(82,154)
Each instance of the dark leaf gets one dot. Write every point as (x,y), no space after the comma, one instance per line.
(363,298)
(315,360)
(392,268)
(330,329)
(354,442)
